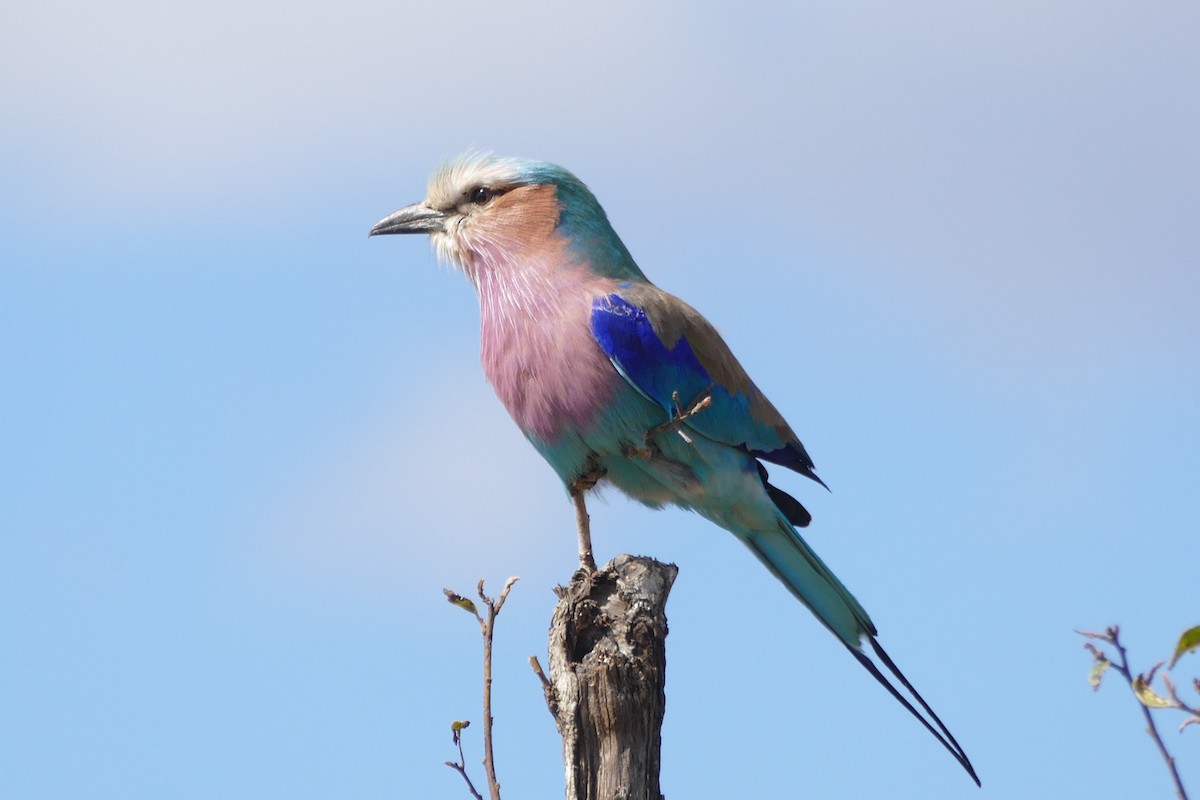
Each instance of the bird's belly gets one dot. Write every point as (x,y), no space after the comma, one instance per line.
(718,481)
(595,423)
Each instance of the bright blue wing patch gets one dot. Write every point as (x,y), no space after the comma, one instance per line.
(659,370)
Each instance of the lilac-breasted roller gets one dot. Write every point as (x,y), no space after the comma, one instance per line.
(614,380)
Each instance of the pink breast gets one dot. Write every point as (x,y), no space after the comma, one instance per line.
(539,353)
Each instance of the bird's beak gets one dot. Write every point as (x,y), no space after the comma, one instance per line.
(417,218)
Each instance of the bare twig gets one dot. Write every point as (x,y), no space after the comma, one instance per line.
(537,670)
(461,765)
(1182,706)
(487,626)
(1111,636)
(489,761)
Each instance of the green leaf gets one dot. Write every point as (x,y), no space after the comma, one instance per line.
(1188,642)
(465,604)
(1147,695)
(460,601)
(1097,673)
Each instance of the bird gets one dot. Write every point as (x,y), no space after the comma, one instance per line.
(618,383)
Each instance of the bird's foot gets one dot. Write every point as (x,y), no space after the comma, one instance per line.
(682,414)
(646,452)
(587,480)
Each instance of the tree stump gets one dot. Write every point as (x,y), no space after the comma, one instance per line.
(607,678)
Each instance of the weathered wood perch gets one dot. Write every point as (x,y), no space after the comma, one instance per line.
(607,678)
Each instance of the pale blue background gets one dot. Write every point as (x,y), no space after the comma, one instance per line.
(243,448)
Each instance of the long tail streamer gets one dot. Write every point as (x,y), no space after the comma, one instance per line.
(941,732)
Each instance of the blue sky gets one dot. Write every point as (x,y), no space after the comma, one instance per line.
(245,448)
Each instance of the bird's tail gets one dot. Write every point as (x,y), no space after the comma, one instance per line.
(802,571)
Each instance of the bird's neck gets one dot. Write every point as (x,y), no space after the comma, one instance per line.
(519,284)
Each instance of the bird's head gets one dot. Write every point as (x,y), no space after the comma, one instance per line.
(484,212)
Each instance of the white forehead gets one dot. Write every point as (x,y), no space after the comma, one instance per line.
(455,178)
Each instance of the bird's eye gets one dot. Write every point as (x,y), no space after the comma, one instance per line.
(482,194)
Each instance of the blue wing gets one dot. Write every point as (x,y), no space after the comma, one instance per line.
(663,346)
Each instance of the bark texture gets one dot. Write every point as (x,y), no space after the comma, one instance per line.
(607,678)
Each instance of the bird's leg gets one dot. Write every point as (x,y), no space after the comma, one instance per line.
(587,561)
(578,489)
(698,404)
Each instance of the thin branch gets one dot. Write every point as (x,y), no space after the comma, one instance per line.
(487,626)
(1182,706)
(537,670)
(1112,636)
(493,607)
(461,765)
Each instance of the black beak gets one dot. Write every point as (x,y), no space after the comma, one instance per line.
(417,218)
